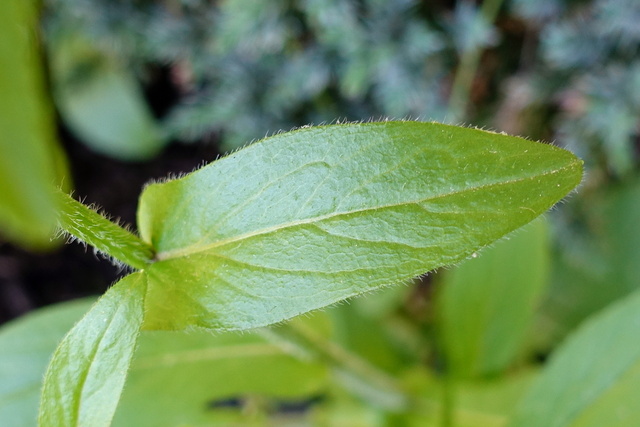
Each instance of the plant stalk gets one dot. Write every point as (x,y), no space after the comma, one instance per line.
(448,401)
(467,68)
(355,373)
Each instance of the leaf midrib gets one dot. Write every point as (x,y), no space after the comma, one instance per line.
(194,249)
(85,374)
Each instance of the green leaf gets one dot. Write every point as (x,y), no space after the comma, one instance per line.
(594,377)
(486,305)
(30,162)
(100,100)
(26,345)
(195,369)
(87,225)
(85,378)
(599,266)
(305,219)
(176,378)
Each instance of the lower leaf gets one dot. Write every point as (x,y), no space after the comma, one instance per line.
(594,377)
(84,380)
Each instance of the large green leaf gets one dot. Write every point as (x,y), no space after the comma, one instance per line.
(85,378)
(594,378)
(307,218)
(486,305)
(30,162)
(26,345)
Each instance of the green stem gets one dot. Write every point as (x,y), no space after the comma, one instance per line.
(355,373)
(467,68)
(448,401)
(90,227)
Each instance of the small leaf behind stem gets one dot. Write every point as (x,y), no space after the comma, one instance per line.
(104,107)
(85,378)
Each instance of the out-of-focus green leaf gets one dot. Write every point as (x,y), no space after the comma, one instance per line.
(594,378)
(26,345)
(101,101)
(487,304)
(85,378)
(304,219)
(179,378)
(591,273)
(30,162)
(619,214)
(206,369)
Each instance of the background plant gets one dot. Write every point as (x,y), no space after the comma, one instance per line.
(536,76)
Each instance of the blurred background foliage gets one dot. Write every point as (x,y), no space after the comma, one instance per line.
(30,168)
(561,70)
(140,83)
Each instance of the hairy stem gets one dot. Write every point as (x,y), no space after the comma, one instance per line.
(88,226)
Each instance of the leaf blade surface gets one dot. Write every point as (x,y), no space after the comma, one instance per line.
(304,219)
(84,380)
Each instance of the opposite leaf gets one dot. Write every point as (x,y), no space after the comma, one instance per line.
(26,345)
(487,304)
(304,219)
(177,378)
(85,378)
